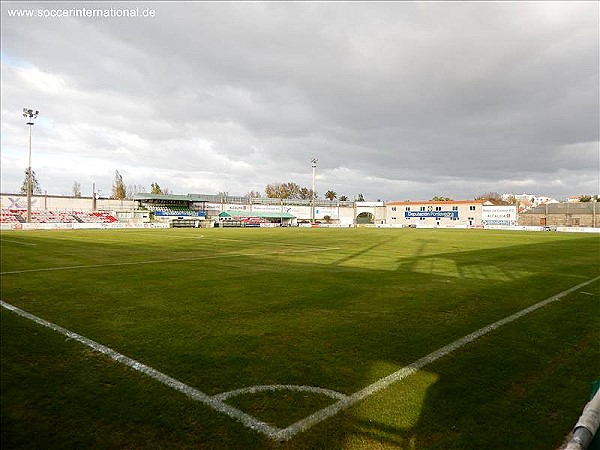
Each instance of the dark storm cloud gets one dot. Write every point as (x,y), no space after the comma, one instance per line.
(430,97)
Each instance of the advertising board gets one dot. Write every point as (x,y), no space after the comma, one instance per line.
(499,215)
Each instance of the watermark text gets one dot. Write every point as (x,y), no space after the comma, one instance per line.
(85,13)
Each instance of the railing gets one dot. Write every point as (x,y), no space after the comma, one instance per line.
(587,425)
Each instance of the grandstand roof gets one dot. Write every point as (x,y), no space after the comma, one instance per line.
(145,197)
(220,198)
(263,215)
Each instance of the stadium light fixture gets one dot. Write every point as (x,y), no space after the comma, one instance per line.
(313,164)
(29,114)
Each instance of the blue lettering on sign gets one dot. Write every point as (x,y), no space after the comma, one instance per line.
(438,214)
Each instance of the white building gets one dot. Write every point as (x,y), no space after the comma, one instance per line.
(430,214)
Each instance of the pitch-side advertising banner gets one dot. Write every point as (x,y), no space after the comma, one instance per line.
(499,215)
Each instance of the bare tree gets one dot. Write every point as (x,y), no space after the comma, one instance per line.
(76,189)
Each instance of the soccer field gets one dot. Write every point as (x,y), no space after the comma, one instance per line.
(297,338)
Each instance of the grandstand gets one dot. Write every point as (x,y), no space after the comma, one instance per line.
(18,216)
(171,210)
(204,210)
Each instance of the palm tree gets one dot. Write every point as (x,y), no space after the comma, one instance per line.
(331,195)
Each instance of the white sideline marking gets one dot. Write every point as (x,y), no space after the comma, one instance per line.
(247,420)
(216,401)
(16,242)
(162,261)
(404,372)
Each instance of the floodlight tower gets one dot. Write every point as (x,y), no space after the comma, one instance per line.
(30,114)
(313,164)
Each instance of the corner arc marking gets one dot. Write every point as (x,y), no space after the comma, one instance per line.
(280,387)
(344,401)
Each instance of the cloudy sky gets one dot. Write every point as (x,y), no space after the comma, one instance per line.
(397,100)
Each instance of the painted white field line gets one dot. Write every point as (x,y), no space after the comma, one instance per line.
(406,371)
(280,387)
(16,242)
(218,405)
(344,402)
(162,261)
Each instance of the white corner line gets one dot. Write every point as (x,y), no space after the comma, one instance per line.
(216,401)
(404,372)
(191,392)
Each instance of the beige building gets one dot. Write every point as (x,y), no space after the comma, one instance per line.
(563,215)
(429,214)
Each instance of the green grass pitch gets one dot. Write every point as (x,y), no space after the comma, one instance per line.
(334,309)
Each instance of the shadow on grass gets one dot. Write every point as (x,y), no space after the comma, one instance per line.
(259,320)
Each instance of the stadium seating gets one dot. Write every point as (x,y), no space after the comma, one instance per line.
(170,210)
(8,216)
(18,216)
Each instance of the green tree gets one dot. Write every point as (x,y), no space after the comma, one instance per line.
(441,199)
(331,195)
(343,198)
(360,198)
(76,189)
(155,189)
(306,193)
(585,198)
(35,184)
(118,188)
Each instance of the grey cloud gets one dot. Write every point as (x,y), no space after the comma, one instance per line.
(414,93)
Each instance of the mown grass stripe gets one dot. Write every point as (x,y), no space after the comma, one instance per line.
(272,432)
(163,261)
(191,392)
(414,367)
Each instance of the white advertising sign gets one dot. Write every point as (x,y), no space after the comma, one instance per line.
(499,215)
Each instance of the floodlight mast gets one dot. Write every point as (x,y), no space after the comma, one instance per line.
(30,114)
(313,163)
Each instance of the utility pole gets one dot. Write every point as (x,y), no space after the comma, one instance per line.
(30,114)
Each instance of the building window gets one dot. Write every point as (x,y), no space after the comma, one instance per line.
(421,218)
(438,208)
(407,208)
(393,208)
(455,208)
(393,218)
(471,208)
(422,208)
